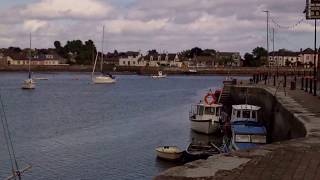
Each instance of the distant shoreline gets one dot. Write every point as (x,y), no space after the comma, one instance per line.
(234,71)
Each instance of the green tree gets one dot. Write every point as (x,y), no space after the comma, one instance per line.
(57,45)
(196,51)
(260,56)
(249,60)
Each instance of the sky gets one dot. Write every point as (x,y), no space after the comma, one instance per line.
(164,25)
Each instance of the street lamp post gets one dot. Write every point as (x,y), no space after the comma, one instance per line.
(268,60)
(314,59)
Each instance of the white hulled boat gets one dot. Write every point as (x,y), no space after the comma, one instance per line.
(170,153)
(205,116)
(160,75)
(102,78)
(29,83)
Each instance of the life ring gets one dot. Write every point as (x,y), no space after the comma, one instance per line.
(208,97)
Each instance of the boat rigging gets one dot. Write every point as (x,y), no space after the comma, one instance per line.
(16,172)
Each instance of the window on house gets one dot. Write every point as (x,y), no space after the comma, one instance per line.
(124,62)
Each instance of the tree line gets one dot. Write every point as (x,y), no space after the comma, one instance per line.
(77,52)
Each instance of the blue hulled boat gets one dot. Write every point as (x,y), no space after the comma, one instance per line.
(247,131)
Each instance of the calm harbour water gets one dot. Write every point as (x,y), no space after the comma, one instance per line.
(71,129)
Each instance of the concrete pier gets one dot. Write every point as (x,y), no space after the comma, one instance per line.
(295,154)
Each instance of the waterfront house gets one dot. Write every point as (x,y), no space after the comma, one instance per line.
(307,57)
(131,59)
(229,58)
(22,58)
(164,60)
(282,58)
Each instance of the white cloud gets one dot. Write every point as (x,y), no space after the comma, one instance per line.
(67,9)
(135,26)
(34,25)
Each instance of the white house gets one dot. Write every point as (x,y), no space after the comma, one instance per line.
(307,57)
(131,59)
(168,60)
(287,58)
(42,59)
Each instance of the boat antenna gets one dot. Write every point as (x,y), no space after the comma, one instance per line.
(16,173)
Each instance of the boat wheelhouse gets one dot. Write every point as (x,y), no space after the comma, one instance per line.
(244,112)
(205,116)
(247,131)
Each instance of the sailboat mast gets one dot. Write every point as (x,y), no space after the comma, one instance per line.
(102,53)
(30,58)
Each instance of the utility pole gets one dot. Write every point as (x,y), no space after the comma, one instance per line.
(314,59)
(267,33)
(268,61)
(274,52)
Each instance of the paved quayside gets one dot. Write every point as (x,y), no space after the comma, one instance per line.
(293,159)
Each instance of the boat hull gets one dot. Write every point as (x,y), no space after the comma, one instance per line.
(28,84)
(205,127)
(103,80)
(169,153)
(158,77)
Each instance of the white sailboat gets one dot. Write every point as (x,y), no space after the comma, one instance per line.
(102,78)
(29,83)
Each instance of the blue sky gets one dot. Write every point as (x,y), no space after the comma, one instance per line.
(166,25)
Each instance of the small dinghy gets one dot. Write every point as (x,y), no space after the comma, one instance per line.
(202,151)
(171,153)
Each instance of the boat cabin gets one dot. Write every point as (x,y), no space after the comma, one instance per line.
(205,110)
(244,112)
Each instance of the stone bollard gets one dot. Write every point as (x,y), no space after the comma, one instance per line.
(307,82)
(265,79)
(310,91)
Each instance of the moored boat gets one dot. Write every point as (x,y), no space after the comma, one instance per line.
(102,78)
(160,75)
(205,116)
(171,153)
(246,129)
(201,151)
(29,83)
